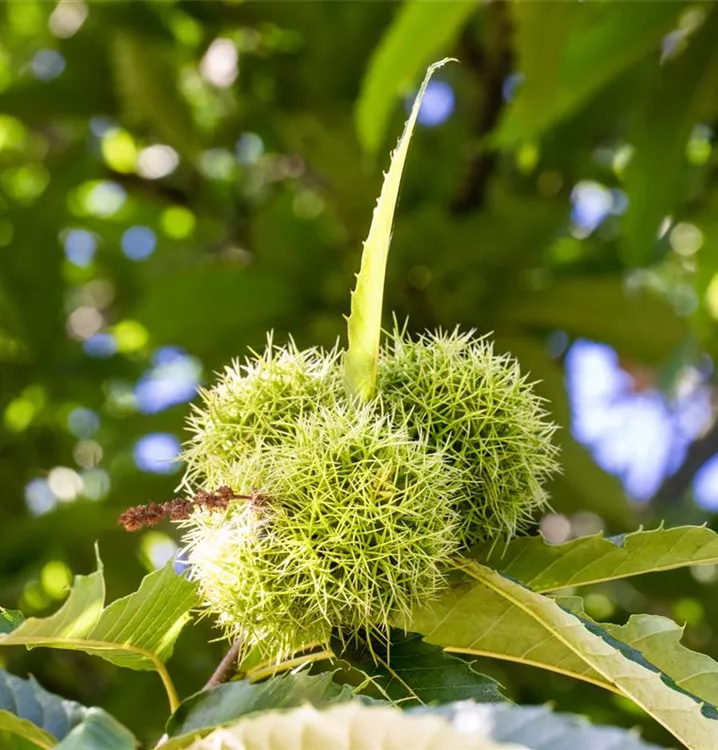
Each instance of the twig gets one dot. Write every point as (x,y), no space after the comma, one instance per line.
(489,63)
(226,668)
(676,485)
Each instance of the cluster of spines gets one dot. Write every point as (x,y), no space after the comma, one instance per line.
(360,530)
(368,503)
(477,407)
(255,402)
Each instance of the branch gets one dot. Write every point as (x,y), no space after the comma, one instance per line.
(490,65)
(226,668)
(677,484)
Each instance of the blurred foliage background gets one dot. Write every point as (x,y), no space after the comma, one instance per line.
(178,178)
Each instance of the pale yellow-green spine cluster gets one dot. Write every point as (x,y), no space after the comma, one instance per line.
(363,506)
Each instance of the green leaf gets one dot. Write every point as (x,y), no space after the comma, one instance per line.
(364,323)
(538,728)
(659,640)
(348,727)
(71,623)
(592,559)
(227,703)
(420,32)
(414,671)
(637,324)
(470,618)
(137,631)
(623,668)
(99,731)
(140,630)
(11,741)
(20,729)
(27,710)
(10,619)
(590,46)
(683,95)
(539,63)
(146,83)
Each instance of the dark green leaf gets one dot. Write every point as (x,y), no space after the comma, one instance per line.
(227,703)
(636,323)
(683,94)
(420,32)
(414,671)
(10,619)
(589,46)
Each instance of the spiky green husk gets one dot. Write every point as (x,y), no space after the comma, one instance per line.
(475,406)
(357,528)
(364,505)
(258,401)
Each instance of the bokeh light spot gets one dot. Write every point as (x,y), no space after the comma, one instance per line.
(173,380)
(83,423)
(437,105)
(220,64)
(685,238)
(39,498)
(119,150)
(138,243)
(104,198)
(65,483)
(155,162)
(705,485)
(157,549)
(249,149)
(80,247)
(157,453)
(100,345)
(85,322)
(56,579)
(67,18)
(130,336)
(177,222)
(48,64)
(96,483)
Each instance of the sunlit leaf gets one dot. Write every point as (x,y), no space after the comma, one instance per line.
(421,31)
(20,733)
(458,619)
(591,559)
(137,631)
(659,640)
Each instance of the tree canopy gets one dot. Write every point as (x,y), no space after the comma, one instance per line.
(178,178)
